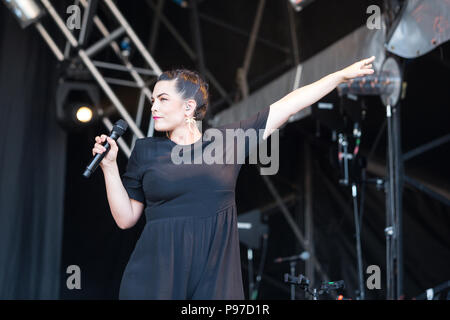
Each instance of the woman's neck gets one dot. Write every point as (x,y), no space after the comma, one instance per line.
(185,136)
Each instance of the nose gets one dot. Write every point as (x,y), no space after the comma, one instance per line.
(154,107)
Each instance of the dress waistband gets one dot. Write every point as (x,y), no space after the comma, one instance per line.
(209,206)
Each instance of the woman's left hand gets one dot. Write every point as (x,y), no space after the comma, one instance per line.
(358,69)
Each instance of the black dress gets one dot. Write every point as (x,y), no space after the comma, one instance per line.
(189,247)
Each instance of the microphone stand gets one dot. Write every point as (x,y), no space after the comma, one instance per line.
(292,265)
(293,262)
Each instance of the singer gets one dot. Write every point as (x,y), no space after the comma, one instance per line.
(189,247)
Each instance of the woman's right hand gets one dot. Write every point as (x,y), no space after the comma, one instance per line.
(110,158)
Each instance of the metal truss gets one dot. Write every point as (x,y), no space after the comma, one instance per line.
(395,175)
(86,54)
(396,179)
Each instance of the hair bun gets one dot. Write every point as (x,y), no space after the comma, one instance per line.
(190,85)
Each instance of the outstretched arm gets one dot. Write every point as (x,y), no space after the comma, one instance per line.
(283,109)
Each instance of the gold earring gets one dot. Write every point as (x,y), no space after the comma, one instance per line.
(190,121)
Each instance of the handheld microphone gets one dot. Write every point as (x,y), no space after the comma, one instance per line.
(117,131)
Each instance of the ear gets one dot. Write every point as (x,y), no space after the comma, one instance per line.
(190,106)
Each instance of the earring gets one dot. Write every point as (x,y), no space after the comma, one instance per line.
(190,121)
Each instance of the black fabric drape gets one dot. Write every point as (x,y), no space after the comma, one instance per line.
(32,166)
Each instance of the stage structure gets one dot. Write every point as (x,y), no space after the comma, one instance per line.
(79,49)
(429,24)
(359,44)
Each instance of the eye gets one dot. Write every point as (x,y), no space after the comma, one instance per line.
(163,99)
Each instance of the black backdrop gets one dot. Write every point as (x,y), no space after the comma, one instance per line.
(32,166)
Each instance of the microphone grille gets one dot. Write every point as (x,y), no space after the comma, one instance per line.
(120,127)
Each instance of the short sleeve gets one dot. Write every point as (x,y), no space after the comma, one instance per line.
(132,178)
(256,122)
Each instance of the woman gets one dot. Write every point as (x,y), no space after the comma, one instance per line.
(189,247)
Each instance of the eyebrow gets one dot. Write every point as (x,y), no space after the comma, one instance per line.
(159,95)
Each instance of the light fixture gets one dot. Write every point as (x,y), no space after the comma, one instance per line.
(77,104)
(26,11)
(300,4)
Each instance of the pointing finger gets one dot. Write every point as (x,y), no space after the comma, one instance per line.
(370,59)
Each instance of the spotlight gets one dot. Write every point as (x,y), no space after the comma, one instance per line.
(300,4)
(77,114)
(84,114)
(26,11)
(77,104)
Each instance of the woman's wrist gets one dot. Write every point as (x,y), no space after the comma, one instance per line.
(340,77)
(110,168)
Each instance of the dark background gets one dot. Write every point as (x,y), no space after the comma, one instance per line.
(82,224)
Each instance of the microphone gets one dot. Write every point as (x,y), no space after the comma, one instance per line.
(117,131)
(303,256)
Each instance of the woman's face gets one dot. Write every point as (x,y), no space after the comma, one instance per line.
(168,107)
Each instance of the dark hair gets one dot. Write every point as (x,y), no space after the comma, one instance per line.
(189,84)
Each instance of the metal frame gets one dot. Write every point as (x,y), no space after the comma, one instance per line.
(308,211)
(308,246)
(394,191)
(243,71)
(86,54)
(159,17)
(398,178)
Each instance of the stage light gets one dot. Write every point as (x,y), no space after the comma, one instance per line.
(26,11)
(84,114)
(78,114)
(300,4)
(77,104)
